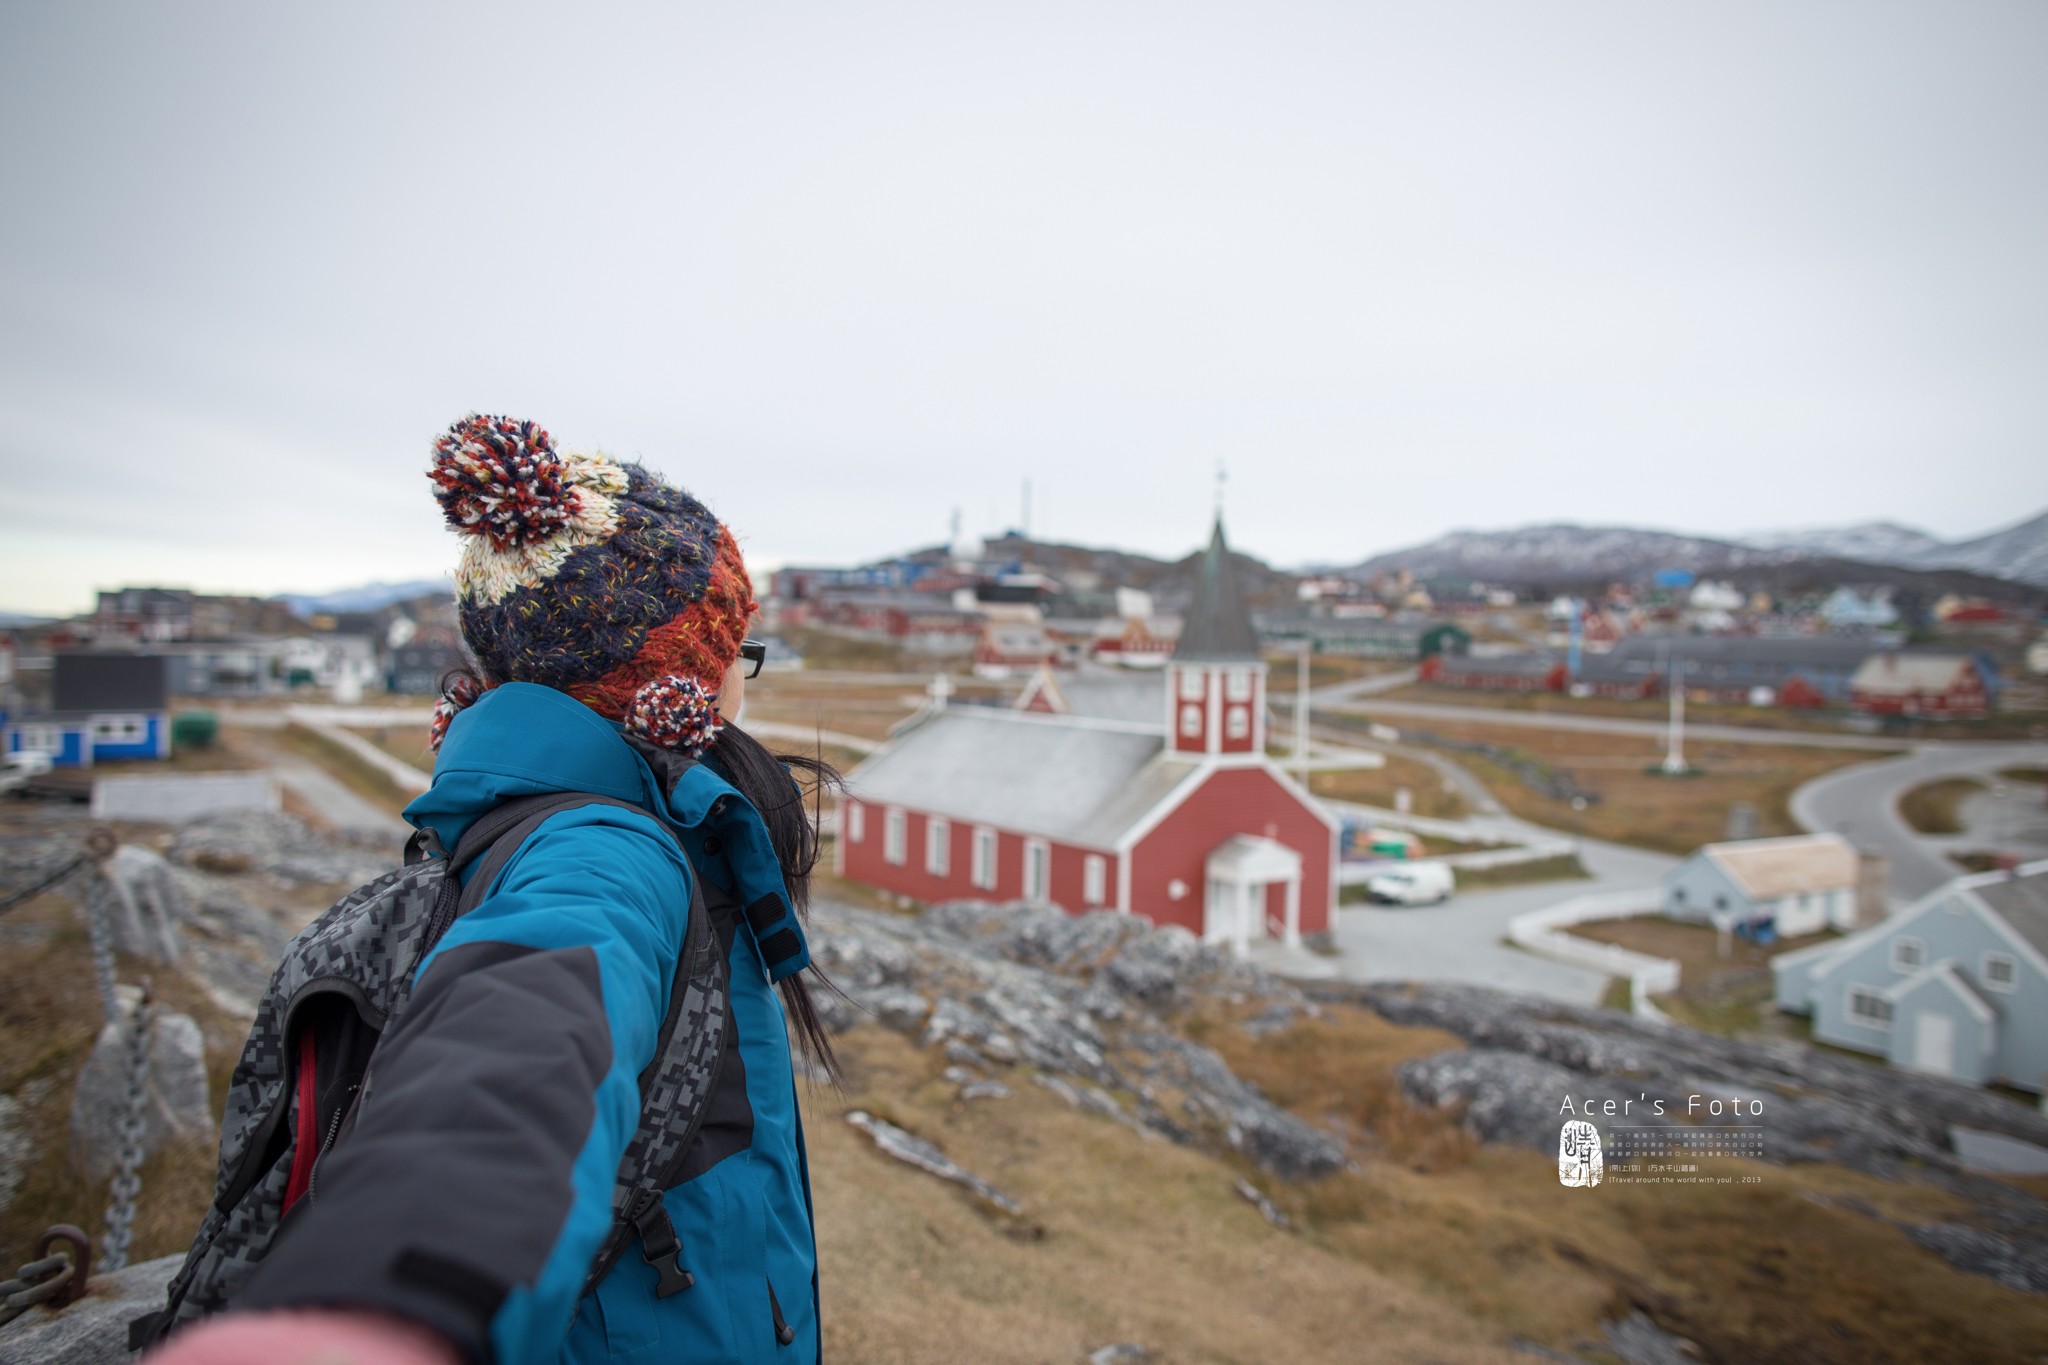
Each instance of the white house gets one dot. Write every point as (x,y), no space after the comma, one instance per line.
(1802,884)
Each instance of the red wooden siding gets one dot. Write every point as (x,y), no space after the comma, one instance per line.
(866,862)
(1231,801)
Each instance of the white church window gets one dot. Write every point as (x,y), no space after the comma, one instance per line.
(1999,971)
(1238,723)
(895,837)
(1191,720)
(1037,870)
(938,839)
(983,868)
(1094,877)
(1869,1008)
(856,822)
(1238,684)
(1908,954)
(1191,684)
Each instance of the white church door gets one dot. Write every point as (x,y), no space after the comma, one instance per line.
(1934,1043)
(1239,872)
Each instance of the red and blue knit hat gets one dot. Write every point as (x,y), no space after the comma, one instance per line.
(591,577)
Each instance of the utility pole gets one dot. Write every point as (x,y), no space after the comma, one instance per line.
(1027,509)
(1301,712)
(1674,750)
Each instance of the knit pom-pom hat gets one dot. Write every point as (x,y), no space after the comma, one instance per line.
(591,577)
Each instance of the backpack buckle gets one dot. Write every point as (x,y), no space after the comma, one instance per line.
(661,1248)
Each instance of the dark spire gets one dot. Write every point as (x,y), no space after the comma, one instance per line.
(1218,627)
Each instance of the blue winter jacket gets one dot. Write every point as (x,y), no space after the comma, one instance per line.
(476,1186)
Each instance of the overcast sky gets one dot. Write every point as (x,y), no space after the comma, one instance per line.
(842,268)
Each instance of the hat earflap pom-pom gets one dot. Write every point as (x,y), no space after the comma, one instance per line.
(676,713)
(502,479)
(461,694)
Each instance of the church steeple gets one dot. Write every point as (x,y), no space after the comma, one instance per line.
(1216,683)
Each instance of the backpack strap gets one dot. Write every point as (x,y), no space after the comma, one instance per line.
(676,1086)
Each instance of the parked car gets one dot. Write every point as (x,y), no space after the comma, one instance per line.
(1424,883)
(21,765)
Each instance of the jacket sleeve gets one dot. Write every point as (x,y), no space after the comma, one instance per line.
(476,1185)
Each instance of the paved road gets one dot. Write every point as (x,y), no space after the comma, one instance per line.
(1463,939)
(1861,804)
(1612,725)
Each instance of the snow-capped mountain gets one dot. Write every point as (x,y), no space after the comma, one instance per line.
(1875,542)
(368,597)
(2017,554)
(1569,552)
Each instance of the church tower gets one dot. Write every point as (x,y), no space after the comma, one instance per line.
(1216,681)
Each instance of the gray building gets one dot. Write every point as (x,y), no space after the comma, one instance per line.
(1956,985)
(1801,885)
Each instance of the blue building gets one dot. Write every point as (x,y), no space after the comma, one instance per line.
(103,706)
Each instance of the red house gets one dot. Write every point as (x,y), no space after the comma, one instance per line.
(1181,818)
(1934,685)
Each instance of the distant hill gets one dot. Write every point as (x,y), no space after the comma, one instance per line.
(2018,552)
(10,619)
(1873,552)
(368,597)
(1085,569)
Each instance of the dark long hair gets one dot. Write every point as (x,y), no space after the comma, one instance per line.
(771,784)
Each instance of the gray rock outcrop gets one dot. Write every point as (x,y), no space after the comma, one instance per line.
(176,1107)
(94,1330)
(1077,999)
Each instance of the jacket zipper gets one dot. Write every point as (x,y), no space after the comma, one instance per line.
(333,1129)
(784,1333)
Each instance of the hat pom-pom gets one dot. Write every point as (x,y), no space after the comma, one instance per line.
(461,694)
(501,479)
(676,713)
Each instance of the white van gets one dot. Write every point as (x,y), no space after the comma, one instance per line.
(1424,883)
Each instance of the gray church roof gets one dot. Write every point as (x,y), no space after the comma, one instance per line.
(1056,776)
(1218,628)
(1116,694)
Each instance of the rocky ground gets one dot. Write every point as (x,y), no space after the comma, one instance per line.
(1003,1006)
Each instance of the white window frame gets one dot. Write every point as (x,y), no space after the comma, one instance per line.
(938,845)
(856,822)
(1875,1011)
(1037,868)
(1909,954)
(1190,720)
(2011,965)
(1237,685)
(119,730)
(1095,879)
(39,739)
(895,836)
(982,858)
(1193,686)
(1237,722)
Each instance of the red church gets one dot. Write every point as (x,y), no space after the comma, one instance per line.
(1179,817)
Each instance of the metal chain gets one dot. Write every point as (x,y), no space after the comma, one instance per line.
(128,1170)
(56,1277)
(30,892)
(100,930)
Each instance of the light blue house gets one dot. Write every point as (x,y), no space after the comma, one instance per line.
(104,706)
(1956,985)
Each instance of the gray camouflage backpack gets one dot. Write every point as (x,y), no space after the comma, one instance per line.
(343,983)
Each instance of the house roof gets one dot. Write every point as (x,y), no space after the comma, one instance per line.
(2021,900)
(1218,628)
(110,682)
(1102,694)
(1899,674)
(1766,869)
(1945,974)
(1058,776)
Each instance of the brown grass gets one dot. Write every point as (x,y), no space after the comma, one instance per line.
(1433,796)
(1933,807)
(1730,996)
(1324,670)
(1642,807)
